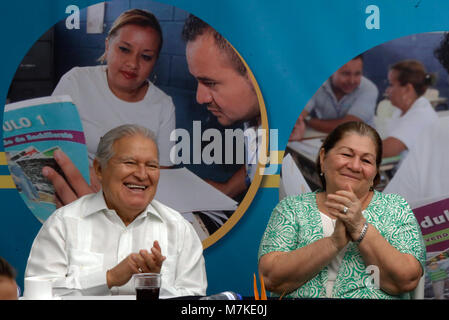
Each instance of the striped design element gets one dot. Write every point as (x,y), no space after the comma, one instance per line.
(6,181)
(268,181)
(272,180)
(3,161)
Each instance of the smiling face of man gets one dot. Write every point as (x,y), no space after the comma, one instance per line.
(129,180)
(346,79)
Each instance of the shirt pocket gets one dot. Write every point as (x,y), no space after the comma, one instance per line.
(85,261)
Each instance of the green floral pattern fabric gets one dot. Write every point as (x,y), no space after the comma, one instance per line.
(295,222)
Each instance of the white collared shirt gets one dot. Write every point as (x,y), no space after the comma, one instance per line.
(81,241)
(423,176)
(408,127)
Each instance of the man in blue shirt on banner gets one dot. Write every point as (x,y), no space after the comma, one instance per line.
(346,96)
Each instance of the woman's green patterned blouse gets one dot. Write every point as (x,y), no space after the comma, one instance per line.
(296,222)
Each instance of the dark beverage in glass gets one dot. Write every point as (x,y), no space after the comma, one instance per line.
(147,285)
(145,293)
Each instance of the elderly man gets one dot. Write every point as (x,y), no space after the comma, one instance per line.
(99,241)
(346,96)
(226,89)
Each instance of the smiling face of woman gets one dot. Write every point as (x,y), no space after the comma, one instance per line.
(131,55)
(350,163)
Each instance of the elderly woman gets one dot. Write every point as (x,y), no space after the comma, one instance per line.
(408,81)
(119,92)
(96,243)
(326,243)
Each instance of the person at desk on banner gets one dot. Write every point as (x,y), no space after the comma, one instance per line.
(346,96)
(225,87)
(346,240)
(95,244)
(408,81)
(119,92)
(424,173)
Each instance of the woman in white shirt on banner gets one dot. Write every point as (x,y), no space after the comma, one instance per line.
(119,92)
(408,81)
(424,176)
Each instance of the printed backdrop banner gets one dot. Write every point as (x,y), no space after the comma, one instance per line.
(434,221)
(291,47)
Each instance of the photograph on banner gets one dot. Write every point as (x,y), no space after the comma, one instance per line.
(160,67)
(401,89)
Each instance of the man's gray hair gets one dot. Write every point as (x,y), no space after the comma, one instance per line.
(105,151)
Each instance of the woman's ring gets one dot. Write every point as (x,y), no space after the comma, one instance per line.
(140,270)
(345,209)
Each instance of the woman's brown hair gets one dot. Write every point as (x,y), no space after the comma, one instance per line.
(137,17)
(413,72)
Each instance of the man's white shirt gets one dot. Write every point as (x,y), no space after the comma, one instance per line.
(81,241)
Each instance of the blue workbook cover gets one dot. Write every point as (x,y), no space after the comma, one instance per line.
(32,131)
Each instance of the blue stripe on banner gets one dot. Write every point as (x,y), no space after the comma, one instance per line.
(4,171)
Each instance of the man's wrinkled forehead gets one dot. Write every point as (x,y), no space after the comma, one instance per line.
(121,153)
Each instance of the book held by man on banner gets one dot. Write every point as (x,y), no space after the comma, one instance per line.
(32,131)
